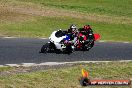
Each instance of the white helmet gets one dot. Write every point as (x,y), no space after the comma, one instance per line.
(73,28)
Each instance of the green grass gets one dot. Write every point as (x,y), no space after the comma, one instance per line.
(38,18)
(44,26)
(6,68)
(69,77)
(112,7)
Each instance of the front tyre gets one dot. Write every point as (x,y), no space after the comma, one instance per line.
(45,48)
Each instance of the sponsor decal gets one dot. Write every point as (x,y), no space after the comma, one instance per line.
(86,81)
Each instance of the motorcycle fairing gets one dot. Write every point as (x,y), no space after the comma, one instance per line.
(96,37)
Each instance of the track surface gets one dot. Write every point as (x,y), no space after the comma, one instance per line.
(17,51)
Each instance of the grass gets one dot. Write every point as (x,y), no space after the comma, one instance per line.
(69,77)
(30,18)
(112,7)
(6,68)
(44,26)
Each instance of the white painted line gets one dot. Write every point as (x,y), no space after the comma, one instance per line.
(125,42)
(12,65)
(59,63)
(103,61)
(91,61)
(43,38)
(28,64)
(51,63)
(75,62)
(2,66)
(9,37)
(113,41)
(125,61)
(102,41)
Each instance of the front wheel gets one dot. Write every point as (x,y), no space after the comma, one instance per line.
(91,45)
(45,48)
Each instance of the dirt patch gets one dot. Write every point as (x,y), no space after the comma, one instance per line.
(25,10)
(22,70)
(7,14)
(51,12)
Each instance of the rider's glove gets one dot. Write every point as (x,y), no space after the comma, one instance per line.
(83,41)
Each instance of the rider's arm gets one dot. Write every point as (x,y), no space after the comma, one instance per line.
(91,31)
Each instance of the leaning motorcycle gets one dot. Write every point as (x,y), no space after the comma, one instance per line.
(59,42)
(86,40)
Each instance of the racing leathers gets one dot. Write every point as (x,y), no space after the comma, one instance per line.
(86,36)
(73,37)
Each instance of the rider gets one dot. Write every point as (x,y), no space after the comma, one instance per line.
(86,36)
(88,29)
(73,30)
(89,32)
(73,34)
(86,33)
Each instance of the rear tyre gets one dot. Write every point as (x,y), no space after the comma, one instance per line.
(91,45)
(87,45)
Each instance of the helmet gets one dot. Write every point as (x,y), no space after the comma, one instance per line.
(87,27)
(73,28)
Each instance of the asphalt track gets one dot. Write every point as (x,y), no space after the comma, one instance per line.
(21,50)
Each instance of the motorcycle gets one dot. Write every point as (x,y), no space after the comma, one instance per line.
(60,42)
(56,43)
(86,41)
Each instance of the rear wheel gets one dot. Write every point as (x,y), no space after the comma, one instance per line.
(91,45)
(87,45)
